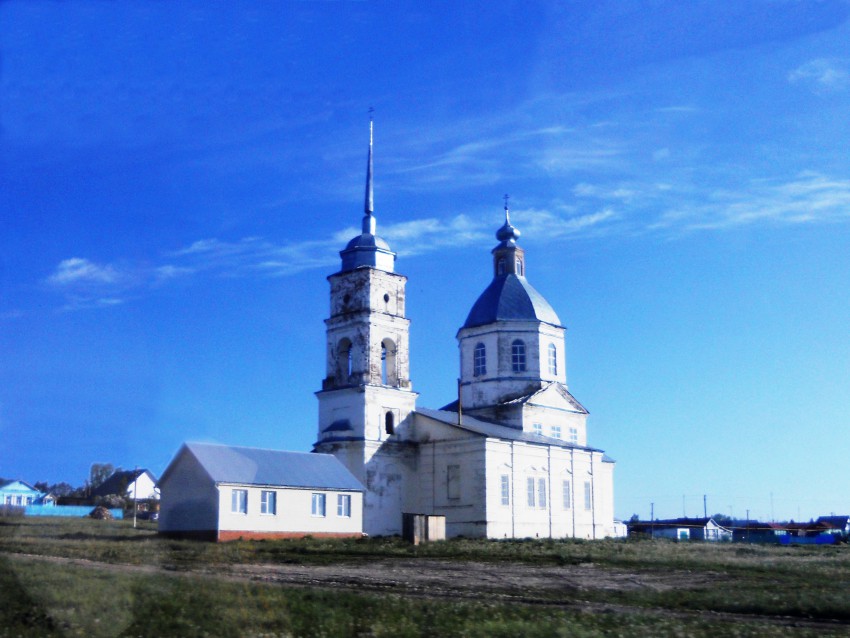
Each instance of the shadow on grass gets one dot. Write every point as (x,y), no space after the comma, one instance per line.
(20,615)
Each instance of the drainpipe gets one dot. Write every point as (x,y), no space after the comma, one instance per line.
(573,488)
(592,498)
(513,493)
(549,502)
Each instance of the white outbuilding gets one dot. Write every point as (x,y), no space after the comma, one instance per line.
(221,493)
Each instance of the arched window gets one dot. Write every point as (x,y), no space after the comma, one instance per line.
(500,266)
(344,360)
(519,267)
(479,360)
(389,423)
(389,373)
(518,356)
(553,359)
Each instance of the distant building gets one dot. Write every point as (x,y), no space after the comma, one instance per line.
(133,484)
(836,525)
(20,494)
(682,529)
(217,492)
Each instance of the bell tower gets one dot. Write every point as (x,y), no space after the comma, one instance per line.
(366,396)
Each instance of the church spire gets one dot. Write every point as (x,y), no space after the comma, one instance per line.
(367,249)
(370,194)
(369,225)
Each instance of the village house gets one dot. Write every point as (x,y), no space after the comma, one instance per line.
(16,493)
(139,484)
(682,529)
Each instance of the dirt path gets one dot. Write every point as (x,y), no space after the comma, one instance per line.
(556,586)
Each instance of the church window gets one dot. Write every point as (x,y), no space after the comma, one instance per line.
(556,431)
(505,485)
(519,267)
(567,496)
(588,496)
(239,501)
(553,359)
(500,266)
(518,356)
(537,428)
(479,360)
(453,481)
(389,423)
(343,505)
(318,503)
(536,492)
(541,493)
(574,435)
(268,502)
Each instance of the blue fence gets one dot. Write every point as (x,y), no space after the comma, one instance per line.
(820,539)
(66,510)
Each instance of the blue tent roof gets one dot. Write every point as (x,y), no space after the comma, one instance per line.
(255,466)
(510,298)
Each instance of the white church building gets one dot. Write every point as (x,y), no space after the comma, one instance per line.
(510,457)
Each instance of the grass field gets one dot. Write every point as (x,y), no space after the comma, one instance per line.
(79,577)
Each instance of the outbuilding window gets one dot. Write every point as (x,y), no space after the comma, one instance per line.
(239,501)
(518,356)
(318,504)
(343,505)
(268,502)
(479,360)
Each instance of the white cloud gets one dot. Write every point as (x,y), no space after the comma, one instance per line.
(826,74)
(82,271)
(808,198)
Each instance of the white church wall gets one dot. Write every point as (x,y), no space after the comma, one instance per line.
(527,514)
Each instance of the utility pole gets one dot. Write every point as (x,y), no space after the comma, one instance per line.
(135,493)
(704,506)
(652,520)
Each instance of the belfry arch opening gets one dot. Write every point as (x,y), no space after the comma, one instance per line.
(389,423)
(344,360)
(389,371)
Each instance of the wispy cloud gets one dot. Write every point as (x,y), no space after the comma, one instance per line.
(823,74)
(76,271)
(808,198)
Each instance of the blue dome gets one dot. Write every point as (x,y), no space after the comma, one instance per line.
(368,241)
(510,298)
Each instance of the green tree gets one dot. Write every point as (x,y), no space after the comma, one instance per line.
(99,473)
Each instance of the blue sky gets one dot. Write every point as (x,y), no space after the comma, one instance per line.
(176,180)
